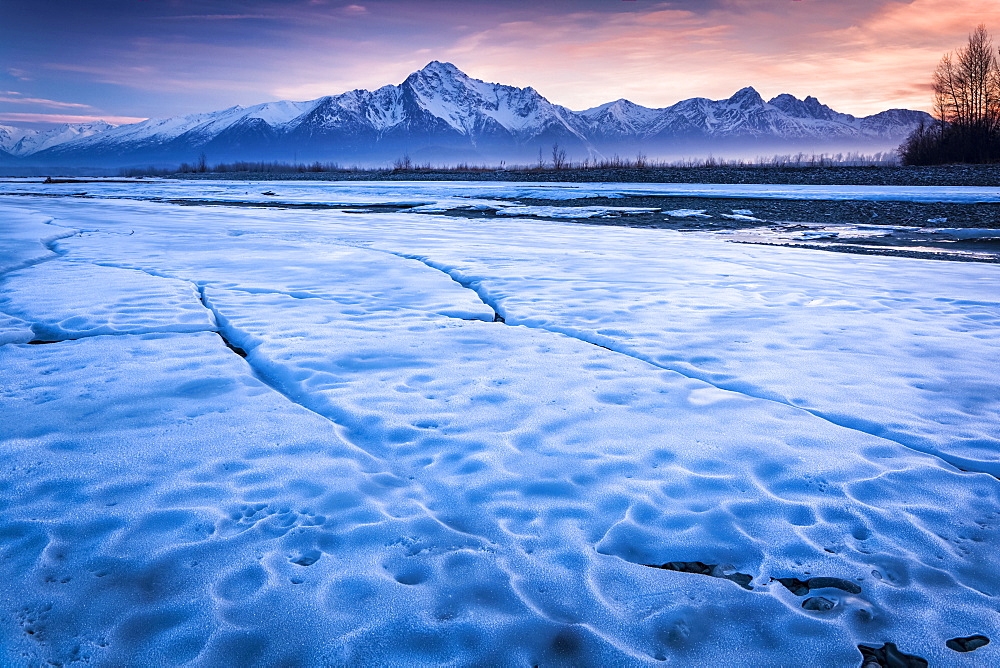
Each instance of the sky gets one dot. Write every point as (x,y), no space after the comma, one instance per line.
(127,60)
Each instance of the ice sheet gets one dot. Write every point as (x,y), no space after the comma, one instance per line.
(388,477)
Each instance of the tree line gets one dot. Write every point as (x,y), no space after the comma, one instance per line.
(966,108)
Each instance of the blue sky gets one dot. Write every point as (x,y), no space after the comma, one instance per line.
(131,59)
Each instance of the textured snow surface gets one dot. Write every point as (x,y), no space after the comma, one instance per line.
(362,467)
(14,330)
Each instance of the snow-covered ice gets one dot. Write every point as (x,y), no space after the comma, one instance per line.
(292,437)
(574,211)
(454,192)
(508,209)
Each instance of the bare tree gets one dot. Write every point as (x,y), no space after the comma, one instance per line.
(967,107)
(403,163)
(558,157)
(967,84)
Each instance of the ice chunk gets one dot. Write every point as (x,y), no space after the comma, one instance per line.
(741,216)
(687,213)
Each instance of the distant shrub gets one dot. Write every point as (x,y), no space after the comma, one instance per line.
(559,163)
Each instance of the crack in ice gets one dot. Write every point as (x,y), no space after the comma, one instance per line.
(49,243)
(475,285)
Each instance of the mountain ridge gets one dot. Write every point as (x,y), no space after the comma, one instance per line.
(440,113)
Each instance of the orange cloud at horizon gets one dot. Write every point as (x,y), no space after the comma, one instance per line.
(858,56)
(880,60)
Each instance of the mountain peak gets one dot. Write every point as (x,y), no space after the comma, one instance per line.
(747,97)
(436,76)
(810,107)
(439,68)
(622,102)
(784,97)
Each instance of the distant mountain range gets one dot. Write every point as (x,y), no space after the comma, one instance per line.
(19,141)
(441,115)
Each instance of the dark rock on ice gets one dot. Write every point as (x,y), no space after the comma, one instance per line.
(711,570)
(969,644)
(889,656)
(818,604)
(803,587)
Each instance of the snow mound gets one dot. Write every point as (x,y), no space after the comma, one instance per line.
(14,330)
(64,300)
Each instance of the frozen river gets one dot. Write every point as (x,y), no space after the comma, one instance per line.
(374,435)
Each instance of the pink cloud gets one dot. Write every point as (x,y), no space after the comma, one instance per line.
(44,102)
(859,56)
(18,74)
(866,58)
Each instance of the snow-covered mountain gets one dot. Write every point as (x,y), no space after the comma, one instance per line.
(441,114)
(10,136)
(745,119)
(22,141)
